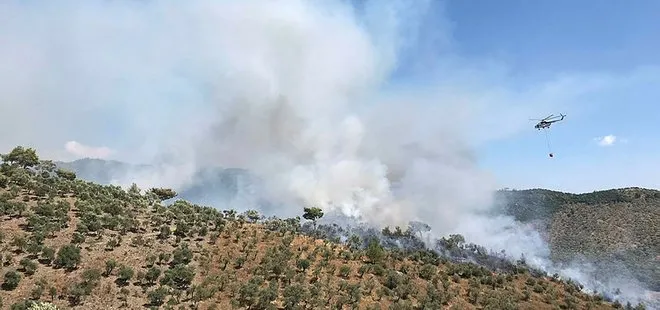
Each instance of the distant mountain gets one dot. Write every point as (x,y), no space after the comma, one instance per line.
(98,170)
(617,229)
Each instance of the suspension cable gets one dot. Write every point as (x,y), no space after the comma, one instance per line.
(547,141)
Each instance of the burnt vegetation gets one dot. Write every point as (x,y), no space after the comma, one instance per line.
(73,244)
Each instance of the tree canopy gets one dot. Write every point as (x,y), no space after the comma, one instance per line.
(313,214)
(25,157)
(164,193)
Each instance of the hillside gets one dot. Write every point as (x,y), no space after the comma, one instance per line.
(82,245)
(616,229)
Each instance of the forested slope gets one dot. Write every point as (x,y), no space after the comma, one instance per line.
(617,228)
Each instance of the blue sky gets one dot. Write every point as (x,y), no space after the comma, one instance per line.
(615,42)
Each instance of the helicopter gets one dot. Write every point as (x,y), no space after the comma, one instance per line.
(546,122)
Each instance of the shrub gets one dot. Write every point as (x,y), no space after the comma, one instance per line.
(68,257)
(12,278)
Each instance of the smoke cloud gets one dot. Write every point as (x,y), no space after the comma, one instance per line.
(359,108)
(293,91)
(85,151)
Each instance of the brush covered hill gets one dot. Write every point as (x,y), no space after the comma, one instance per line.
(617,228)
(68,243)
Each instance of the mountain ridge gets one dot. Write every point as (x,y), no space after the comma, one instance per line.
(614,229)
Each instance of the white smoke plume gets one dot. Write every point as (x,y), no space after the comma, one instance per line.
(86,151)
(292,91)
(303,94)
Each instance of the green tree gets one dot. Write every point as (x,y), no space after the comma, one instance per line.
(91,276)
(77,238)
(151,260)
(313,214)
(182,255)
(48,255)
(24,157)
(34,248)
(179,277)
(303,264)
(38,290)
(427,272)
(134,190)
(12,278)
(123,296)
(152,275)
(157,296)
(164,257)
(68,257)
(110,265)
(66,174)
(77,291)
(124,275)
(375,251)
(182,228)
(344,271)
(294,295)
(252,215)
(52,291)
(164,193)
(29,266)
(165,232)
(354,242)
(20,243)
